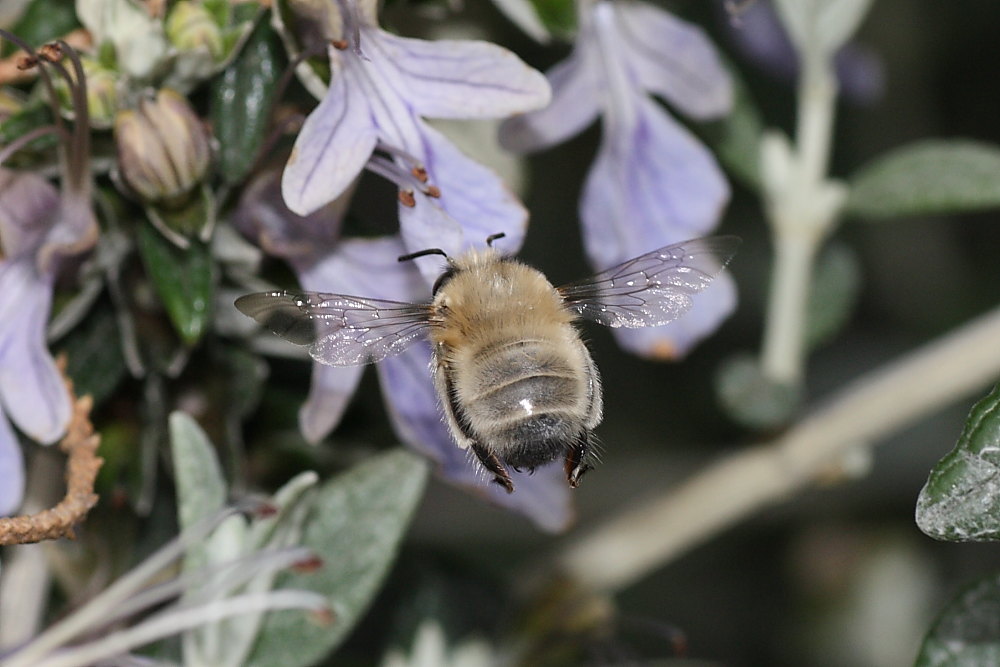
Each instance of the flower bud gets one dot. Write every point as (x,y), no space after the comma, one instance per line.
(163,148)
(190,26)
(102,92)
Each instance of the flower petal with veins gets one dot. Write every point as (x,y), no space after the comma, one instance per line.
(11,469)
(31,389)
(462,79)
(333,146)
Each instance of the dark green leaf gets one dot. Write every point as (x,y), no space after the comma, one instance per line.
(183,279)
(967,633)
(835,288)
(247,373)
(28,118)
(751,399)
(220,10)
(926,178)
(242,97)
(356,526)
(94,354)
(559,16)
(961,499)
(46,20)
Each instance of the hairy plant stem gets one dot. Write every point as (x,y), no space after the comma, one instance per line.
(800,218)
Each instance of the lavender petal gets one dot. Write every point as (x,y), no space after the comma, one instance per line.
(31,388)
(336,140)
(473,195)
(574,106)
(329,394)
(357,266)
(671,58)
(263,217)
(462,79)
(652,184)
(11,469)
(27,202)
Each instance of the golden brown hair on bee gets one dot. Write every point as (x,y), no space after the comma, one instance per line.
(518,384)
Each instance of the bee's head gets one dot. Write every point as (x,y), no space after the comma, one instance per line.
(454,266)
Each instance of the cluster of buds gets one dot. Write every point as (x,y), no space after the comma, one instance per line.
(102,92)
(190,27)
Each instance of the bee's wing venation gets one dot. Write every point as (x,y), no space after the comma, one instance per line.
(651,289)
(338,329)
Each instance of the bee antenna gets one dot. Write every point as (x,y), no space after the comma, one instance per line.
(422,253)
(493,237)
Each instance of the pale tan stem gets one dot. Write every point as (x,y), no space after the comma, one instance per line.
(629,546)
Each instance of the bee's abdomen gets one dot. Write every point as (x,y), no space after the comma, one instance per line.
(526,397)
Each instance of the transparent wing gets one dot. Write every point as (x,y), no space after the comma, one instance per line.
(339,330)
(651,289)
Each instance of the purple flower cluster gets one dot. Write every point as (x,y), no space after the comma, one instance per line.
(381,88)
(40,226)
(652,184)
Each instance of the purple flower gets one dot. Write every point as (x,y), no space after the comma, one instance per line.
(652,182)
(39,227)
(381,87)
(368,267)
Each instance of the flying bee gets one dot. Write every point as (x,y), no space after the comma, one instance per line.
(517,384)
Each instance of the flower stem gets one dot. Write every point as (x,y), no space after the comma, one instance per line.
(783,353)
(801,211)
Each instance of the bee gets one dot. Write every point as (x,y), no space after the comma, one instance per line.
(515,380)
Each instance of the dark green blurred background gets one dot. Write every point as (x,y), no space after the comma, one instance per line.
(840,575)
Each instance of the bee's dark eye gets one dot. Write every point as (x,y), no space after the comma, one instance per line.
(448,274)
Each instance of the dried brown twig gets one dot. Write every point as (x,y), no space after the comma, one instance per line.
(80,446)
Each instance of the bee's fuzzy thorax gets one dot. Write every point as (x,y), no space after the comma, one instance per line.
(488,294)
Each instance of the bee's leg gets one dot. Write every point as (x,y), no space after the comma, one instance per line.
(576,460)
(492,463)
(463,433)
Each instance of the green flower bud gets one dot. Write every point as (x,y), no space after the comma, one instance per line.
(190,26)
(102,92)
(163,148)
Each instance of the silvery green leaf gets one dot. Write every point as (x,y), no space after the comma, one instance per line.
(967,632)
(201,488)
(961,500)
(752,399)
(927,178)
(820,27)
(357,523)
(282,529)
(139,41)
